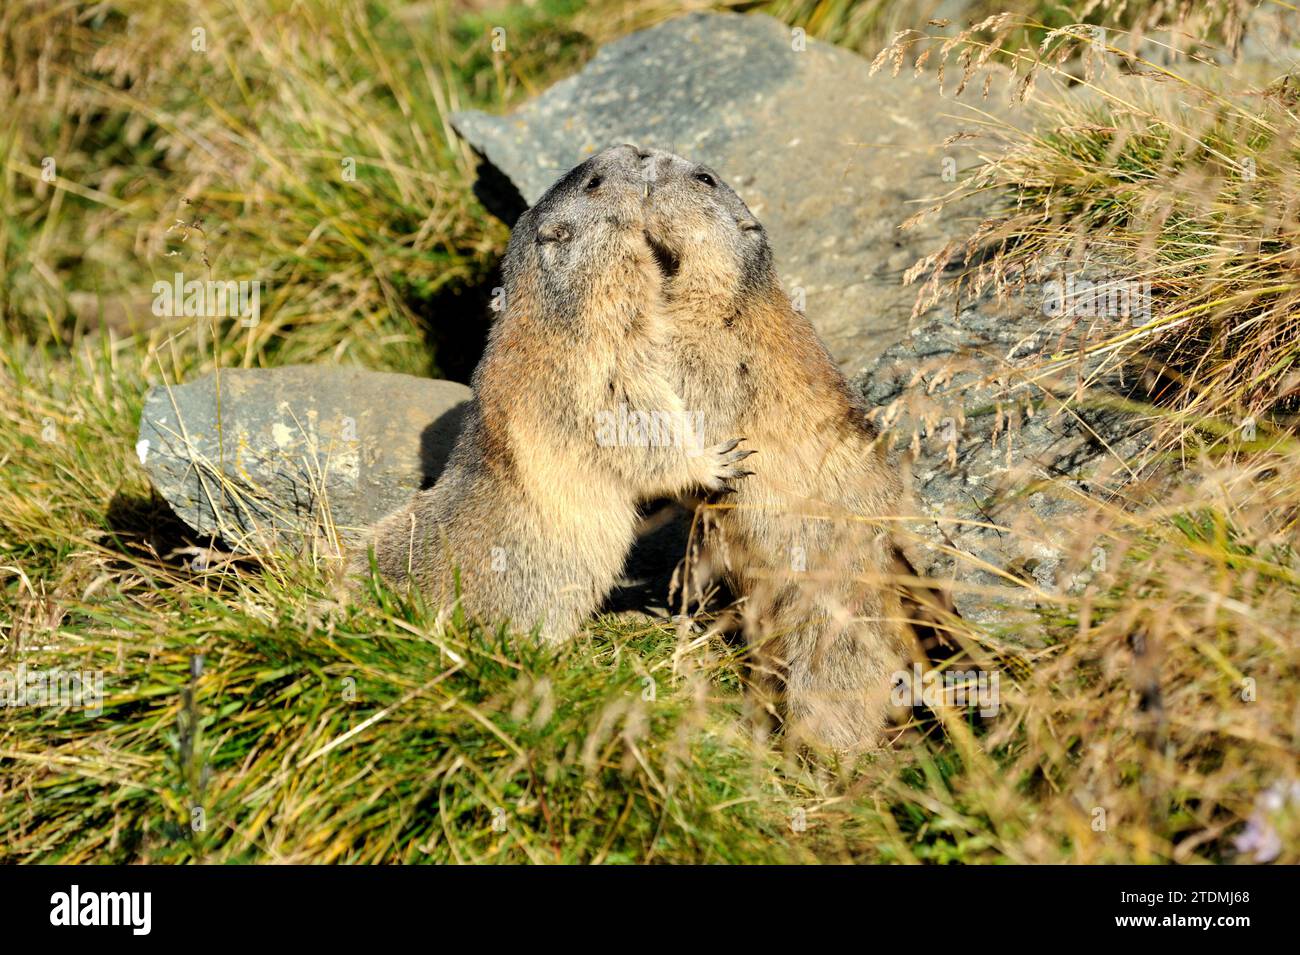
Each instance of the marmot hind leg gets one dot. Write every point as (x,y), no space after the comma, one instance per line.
(837,688)
(831,670)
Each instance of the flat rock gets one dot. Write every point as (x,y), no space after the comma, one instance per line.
(828,157)
(1272,37)
(276,458)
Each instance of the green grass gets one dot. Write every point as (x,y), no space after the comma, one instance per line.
(373,738)
(429,731)
(315,731)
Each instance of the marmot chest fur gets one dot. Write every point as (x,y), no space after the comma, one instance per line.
(806,540)
(533,516)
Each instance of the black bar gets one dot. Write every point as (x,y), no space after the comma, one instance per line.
(293,905)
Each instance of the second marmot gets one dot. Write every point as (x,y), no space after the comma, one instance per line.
(805,542)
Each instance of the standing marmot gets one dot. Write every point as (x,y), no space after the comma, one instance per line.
(801,542)
(537,507)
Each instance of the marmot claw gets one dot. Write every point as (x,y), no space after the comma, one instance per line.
(725,459)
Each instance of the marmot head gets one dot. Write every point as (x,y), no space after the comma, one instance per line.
(584,241)
(705,238)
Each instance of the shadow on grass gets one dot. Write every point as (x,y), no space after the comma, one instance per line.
(146,526)
(456,319)
(455,323)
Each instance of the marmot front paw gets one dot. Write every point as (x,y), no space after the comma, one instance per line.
(723,465)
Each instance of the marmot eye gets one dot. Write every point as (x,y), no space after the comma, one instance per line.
(594,183)
(705,178)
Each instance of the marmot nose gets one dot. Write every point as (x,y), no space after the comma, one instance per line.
(652,168)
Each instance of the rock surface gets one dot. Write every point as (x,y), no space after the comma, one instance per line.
(1007,460)
(273,458)
(1272,37)
(828,157)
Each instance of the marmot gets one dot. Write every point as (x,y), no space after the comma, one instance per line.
(805,543)
(537,508)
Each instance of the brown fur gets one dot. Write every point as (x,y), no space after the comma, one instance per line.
(533,512)
(802,542)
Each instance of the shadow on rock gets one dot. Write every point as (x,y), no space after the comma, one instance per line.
(498,194)
(437,441)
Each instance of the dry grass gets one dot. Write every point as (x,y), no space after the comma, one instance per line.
(1163,704)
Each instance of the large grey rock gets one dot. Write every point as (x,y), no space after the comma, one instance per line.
(281,457)
(830,158)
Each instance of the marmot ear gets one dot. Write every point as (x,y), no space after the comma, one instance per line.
(554,232)
(748,225)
